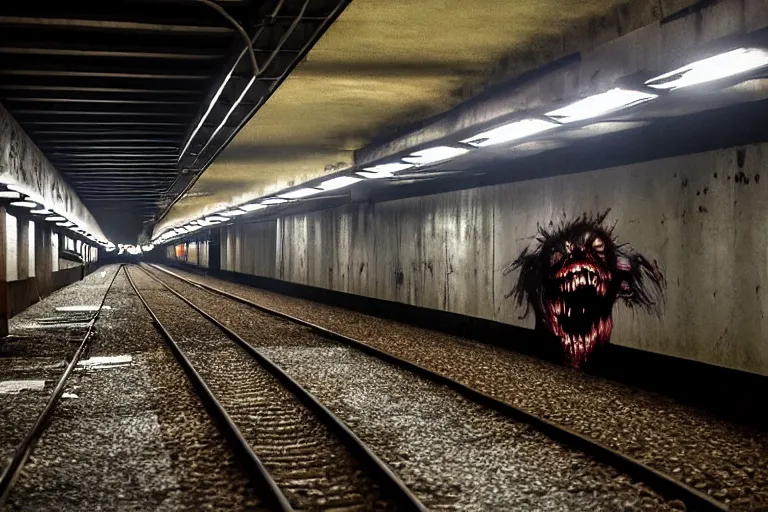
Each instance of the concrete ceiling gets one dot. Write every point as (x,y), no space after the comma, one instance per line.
(386,64)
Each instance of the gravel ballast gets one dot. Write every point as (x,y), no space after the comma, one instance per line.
(309,464)
(719,458)
(42,341)
(131,437)
(453,453)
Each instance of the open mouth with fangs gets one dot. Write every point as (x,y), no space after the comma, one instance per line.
(579,309)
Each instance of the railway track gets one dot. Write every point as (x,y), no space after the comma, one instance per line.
(298,453)
(26,446)
(663,484)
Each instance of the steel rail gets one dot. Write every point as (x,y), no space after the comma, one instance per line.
(27,445)
(253,465)
(664,484)
(400,492)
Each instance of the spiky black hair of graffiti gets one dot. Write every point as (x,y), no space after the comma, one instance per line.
(637,281)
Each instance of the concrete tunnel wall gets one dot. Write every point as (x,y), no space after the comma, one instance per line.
(702,217)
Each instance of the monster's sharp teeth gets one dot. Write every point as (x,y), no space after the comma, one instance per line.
(569,312)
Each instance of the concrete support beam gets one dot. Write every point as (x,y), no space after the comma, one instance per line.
(43,259)
(22,246)
(3,279)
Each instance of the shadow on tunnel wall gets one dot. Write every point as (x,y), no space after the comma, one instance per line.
(733,394)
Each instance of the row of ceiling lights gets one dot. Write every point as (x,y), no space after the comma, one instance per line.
(18,197)
(724,65)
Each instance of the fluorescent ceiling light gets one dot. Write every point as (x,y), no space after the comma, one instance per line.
(340,182)
(233,213)
(252,207)
(720,66)
(65,224)
(376,175)
(274,200)
(389,168)
(600,104)
(298,194)
(191,227)
(205,116)
(8,194)
(42,212)
(110,249)
(434,155)
(509,132)
(24,204)
(57,218)
(216,218)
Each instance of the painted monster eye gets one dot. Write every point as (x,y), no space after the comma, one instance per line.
(556,257)
(598,245)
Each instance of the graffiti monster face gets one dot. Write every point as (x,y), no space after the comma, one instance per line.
(578,292)
(573,278)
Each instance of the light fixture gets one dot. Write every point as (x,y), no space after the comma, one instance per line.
(205,116)
(109,248)
(56,218)
(229,114)
(65,224)
(434,155)
(42,212)
(233,213)
(299,193)
(720,66)
(192,227)
(9,194)
(216,218)
(180,231)
(340,182)
(389,168)
(24,204)
(147,247)
(273,200)
(253,207)
(376,175)
(509,132)
(600,104)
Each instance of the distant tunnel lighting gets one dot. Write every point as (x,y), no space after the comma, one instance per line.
(65,224)
(389,168)
(7,194)
(24,204)
(376,175)
(57,218)
(298,194)
(509,132)
(600,104)
(720,66)
(253,207)
(42,212)
(273,200)
(340,182)
(216,218)
(434,155)
(233,213)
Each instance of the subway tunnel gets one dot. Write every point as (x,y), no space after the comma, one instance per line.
(384,255)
